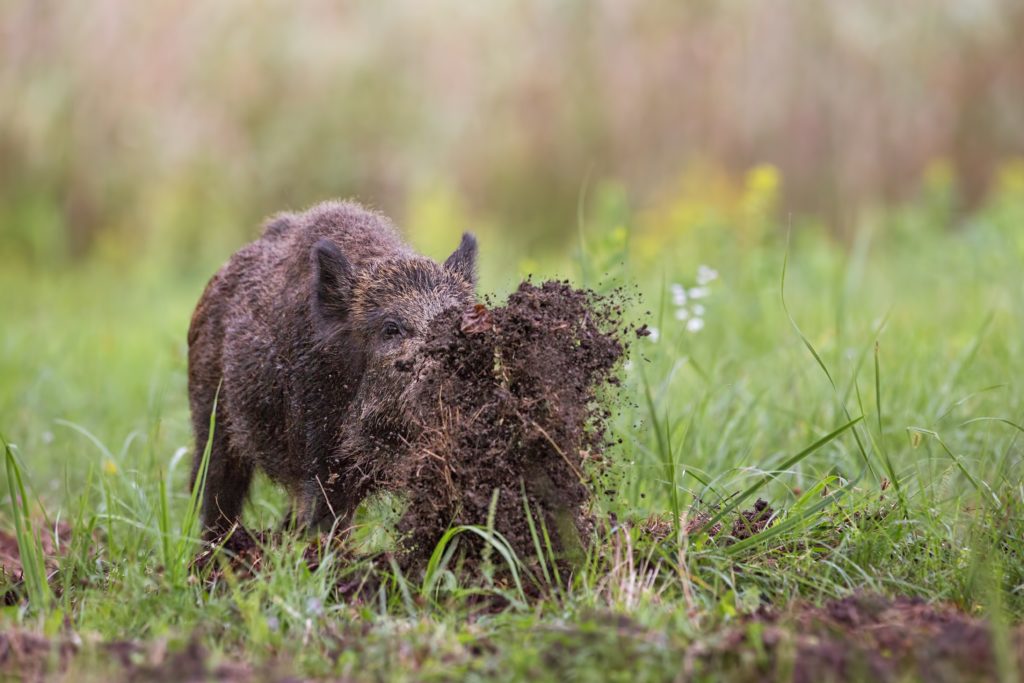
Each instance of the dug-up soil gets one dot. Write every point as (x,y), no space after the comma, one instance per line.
(512,422)
(864,637)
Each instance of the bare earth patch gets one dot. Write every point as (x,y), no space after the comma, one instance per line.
(861,637)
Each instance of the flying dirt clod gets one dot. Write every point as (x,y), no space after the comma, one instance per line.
(512,406)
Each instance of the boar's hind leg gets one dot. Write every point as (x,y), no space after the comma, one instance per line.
(227,480)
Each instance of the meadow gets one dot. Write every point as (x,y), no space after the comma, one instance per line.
(866,388)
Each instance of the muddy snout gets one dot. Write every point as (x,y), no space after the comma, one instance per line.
(411,368)
(473,319)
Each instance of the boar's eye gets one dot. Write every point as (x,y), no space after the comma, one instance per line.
(391,330)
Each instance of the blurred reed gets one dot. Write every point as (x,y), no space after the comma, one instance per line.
(130,126)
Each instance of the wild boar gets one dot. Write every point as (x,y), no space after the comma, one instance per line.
(307,339)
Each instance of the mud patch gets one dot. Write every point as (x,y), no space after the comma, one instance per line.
(861,637)
(27,656)
(513,425)
(54,541)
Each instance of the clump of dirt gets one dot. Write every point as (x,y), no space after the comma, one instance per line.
(752,521)
(512,416)
(746,523)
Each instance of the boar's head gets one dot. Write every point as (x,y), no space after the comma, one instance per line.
(377,317)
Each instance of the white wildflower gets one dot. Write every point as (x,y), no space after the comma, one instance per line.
(678,295)
(706,274)
(698,310)
(653,334)
(695,325)
(682,314)
(699,292)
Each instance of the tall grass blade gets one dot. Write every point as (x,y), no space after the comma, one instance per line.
(665,455)
(190,523)
(884,455)
(988,496)
(817,358)
(164,521)
(1004,420)
(534,536)
(30,549)
(736,501)
(807,343)
(403,587)
(100,446)
(444,549)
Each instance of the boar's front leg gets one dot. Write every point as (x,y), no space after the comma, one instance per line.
(228,477)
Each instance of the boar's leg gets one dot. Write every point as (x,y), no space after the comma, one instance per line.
(288,522)
(227,479)
(317,514)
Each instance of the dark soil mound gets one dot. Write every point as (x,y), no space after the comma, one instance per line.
(861,637)
(512,415)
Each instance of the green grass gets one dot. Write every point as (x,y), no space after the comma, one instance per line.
(877,406)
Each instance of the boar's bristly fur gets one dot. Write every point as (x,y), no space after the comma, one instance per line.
(310,335)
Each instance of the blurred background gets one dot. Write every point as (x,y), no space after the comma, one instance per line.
(174,128)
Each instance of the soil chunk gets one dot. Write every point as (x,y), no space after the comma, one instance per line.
(512,418)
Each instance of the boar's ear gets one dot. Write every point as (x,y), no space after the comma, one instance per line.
(332,281)
(463,259)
